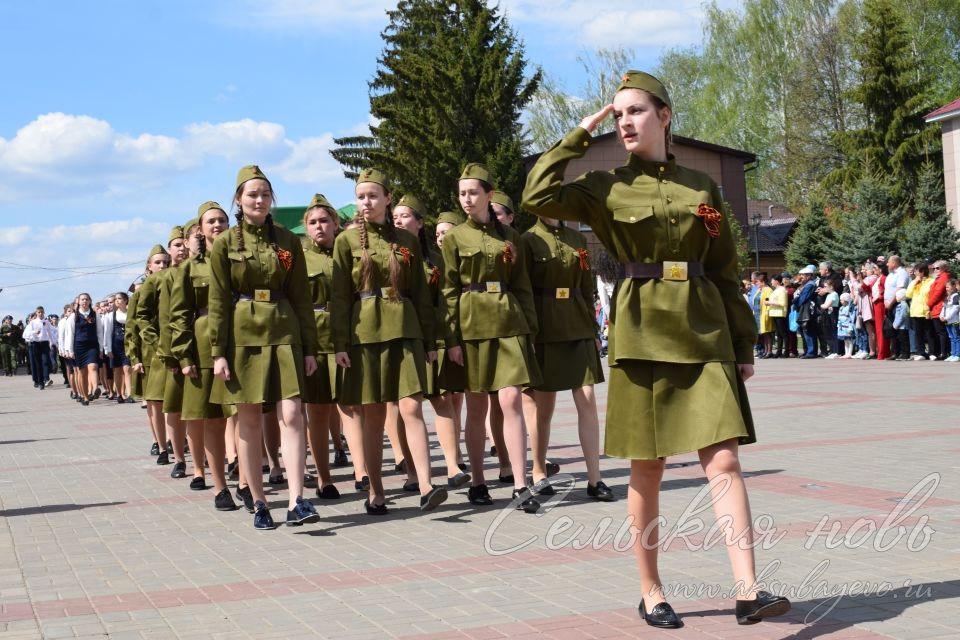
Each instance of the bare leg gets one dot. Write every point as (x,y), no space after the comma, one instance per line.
(271,442)
(394,432)
(514,433)
(538,407)
(250,421)
(195,436)
(127,387)
(350,419)
(318,421)
(495,425)
(294,444)
(214,446)
(721,464)
(178,433)
(333,424)
(457,400)
(155,414)
(475,434)
(643,507)
(447,432)
(416,435)
(588,428)
(230,436)
(372,421)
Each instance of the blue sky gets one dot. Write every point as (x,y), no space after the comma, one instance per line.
(118,118)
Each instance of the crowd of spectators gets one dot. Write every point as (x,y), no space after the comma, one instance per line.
(880,310)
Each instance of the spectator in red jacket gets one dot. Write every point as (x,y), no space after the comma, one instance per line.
(940,346)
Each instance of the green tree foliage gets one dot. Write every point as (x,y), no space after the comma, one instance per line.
(872,226)
(449,89)
(553,112)
(930,232)
(812,239)
(893,93)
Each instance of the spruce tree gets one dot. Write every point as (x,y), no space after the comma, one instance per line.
(812,238)
(894,140)
(449,89)
(930,232)
(872,227)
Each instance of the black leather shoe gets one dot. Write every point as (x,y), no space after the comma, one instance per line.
(543,488)
(155,449)
(458,480)
(411,487)
(223,502)
(362,485)
(328,492)
(245,496)
(525,500)
(198,484)
(552,469)
(661,616)
(480,496)
(163,458)
(375,509)
(600,492)
(433,498)
(179,470)
(507,479)
(766,605)
(340,458)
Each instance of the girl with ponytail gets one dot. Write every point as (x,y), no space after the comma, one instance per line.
(383,334)
(491,316)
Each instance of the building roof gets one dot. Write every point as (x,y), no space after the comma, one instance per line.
(746,156)
(945,112)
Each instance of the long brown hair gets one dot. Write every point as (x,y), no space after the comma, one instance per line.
(366,264)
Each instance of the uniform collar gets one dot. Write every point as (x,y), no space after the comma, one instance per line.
(651,168)
(543,226)
(312,246)
(483,226)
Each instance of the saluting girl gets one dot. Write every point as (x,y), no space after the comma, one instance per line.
(491,316)
(681,334)
(383,334)
(262,337)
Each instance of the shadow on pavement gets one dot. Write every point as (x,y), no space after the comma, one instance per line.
(54,508)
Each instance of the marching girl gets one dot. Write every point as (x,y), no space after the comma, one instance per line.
(262,337)
(114,328)
(141,353)
(320,392)
(190,348)
(82,341)
(443,375)
(154,344)
(382,328)
(490,313)
(682,334)
(567,347)
(62,347)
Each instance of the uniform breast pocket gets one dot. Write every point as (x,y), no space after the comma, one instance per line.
(543,254)
(633,214)
(239,264)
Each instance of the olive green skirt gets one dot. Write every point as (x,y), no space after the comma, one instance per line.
(568,365)
(156,382)
(196,399)
(444,375)
(384,372)
(173,393)
(498,363)
(323,385)
(136,383)
(260,374)
(659,409)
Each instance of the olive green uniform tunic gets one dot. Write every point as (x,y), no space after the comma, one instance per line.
(322,387)
(494,326)
(190,339)
(563,289)
(264,341)
(173,383)
(444,374)
(148,322)
(387,341)
(674,344)
(132,344)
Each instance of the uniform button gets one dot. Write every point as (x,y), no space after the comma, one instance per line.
(661,169)
(633,219)
(669,199)
(586,143)
(673,220)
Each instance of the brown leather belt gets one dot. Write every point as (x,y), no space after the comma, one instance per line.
(663,270)
(560,293)
(487,287)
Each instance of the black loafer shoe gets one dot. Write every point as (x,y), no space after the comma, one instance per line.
(245,496)
(543,488)
(363,484)
(458,480)
(507,479)
(233,470)
(600,492)
(401,467)
(262,520)
(493,451)
(412,487)
(310,481)
(375,509)
(276,480)
(163,458)
(525,500)
(179,470)
(766,605)
(223,501)
(198,484)
(155,449)
(340,458)
(661,616)
(480,496)
(552,469)
(169,447)
(432,499)
(462,467)
(328,492)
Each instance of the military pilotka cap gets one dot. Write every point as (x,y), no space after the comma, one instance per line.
(373,175)
(155,250)
(477,171)
(414,203)
(645,82)
(502,199)
(250,172)
(189,224)
(450,217)
(175,234)
(319,200)
(206,206)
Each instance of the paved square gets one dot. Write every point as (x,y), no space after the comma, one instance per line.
(855,476)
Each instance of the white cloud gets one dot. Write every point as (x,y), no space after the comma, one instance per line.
(239,141)
(13,236)
(301,14)
(642,28)
(309,162)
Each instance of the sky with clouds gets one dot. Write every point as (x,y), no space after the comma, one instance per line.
(118,118)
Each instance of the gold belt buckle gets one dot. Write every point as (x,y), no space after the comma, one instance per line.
(493,287)
(674,270)
(261,295)
(563,293)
